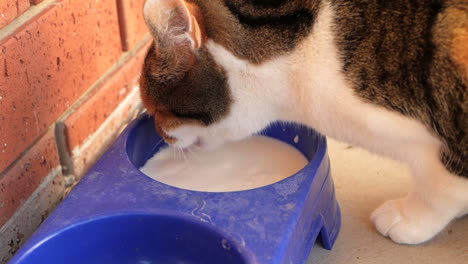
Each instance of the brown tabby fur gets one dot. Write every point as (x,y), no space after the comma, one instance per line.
(407,56)
(400,55)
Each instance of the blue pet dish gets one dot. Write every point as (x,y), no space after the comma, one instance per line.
(116,214)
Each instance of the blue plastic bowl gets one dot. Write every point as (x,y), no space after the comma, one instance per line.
(136,238)
(116,214)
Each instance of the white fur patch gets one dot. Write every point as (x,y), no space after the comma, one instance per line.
(257,95)
(307,86)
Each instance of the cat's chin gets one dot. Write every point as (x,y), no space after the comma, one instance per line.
(194,143)
(200,144)
(185,142)
(204,145)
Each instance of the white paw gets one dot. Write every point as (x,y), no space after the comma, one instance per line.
(407,221)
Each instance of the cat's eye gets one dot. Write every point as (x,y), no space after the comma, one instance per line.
(202,116)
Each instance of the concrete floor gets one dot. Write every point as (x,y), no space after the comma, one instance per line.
(363,181)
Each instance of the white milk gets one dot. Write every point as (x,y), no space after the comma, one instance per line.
(247,164)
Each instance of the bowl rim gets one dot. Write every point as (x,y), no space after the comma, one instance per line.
(312,165)
(244,253)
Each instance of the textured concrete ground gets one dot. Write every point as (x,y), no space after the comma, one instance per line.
(363,181)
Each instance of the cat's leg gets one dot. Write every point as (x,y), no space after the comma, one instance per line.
(436,198)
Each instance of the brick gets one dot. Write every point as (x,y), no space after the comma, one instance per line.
(10,9)
(49,64)
(89,116)
(132,23)
(22,178)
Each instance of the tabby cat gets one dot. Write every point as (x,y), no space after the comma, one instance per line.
(390,76)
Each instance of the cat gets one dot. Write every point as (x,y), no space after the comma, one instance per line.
(389,76)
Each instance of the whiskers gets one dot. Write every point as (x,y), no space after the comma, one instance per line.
(177,153)
(194,153)
(182,155)
(159,142)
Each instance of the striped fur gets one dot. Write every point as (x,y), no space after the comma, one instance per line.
(390,76)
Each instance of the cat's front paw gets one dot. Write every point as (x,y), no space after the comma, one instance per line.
(407,221)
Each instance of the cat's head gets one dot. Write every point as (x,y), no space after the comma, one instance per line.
(194,98)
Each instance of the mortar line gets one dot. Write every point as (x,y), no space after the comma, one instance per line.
(104,77)
(22,20)
(86,95)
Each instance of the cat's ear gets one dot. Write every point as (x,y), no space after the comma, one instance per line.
(173,22)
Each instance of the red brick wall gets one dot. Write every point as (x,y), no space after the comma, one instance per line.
(10,9)
(65,67)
